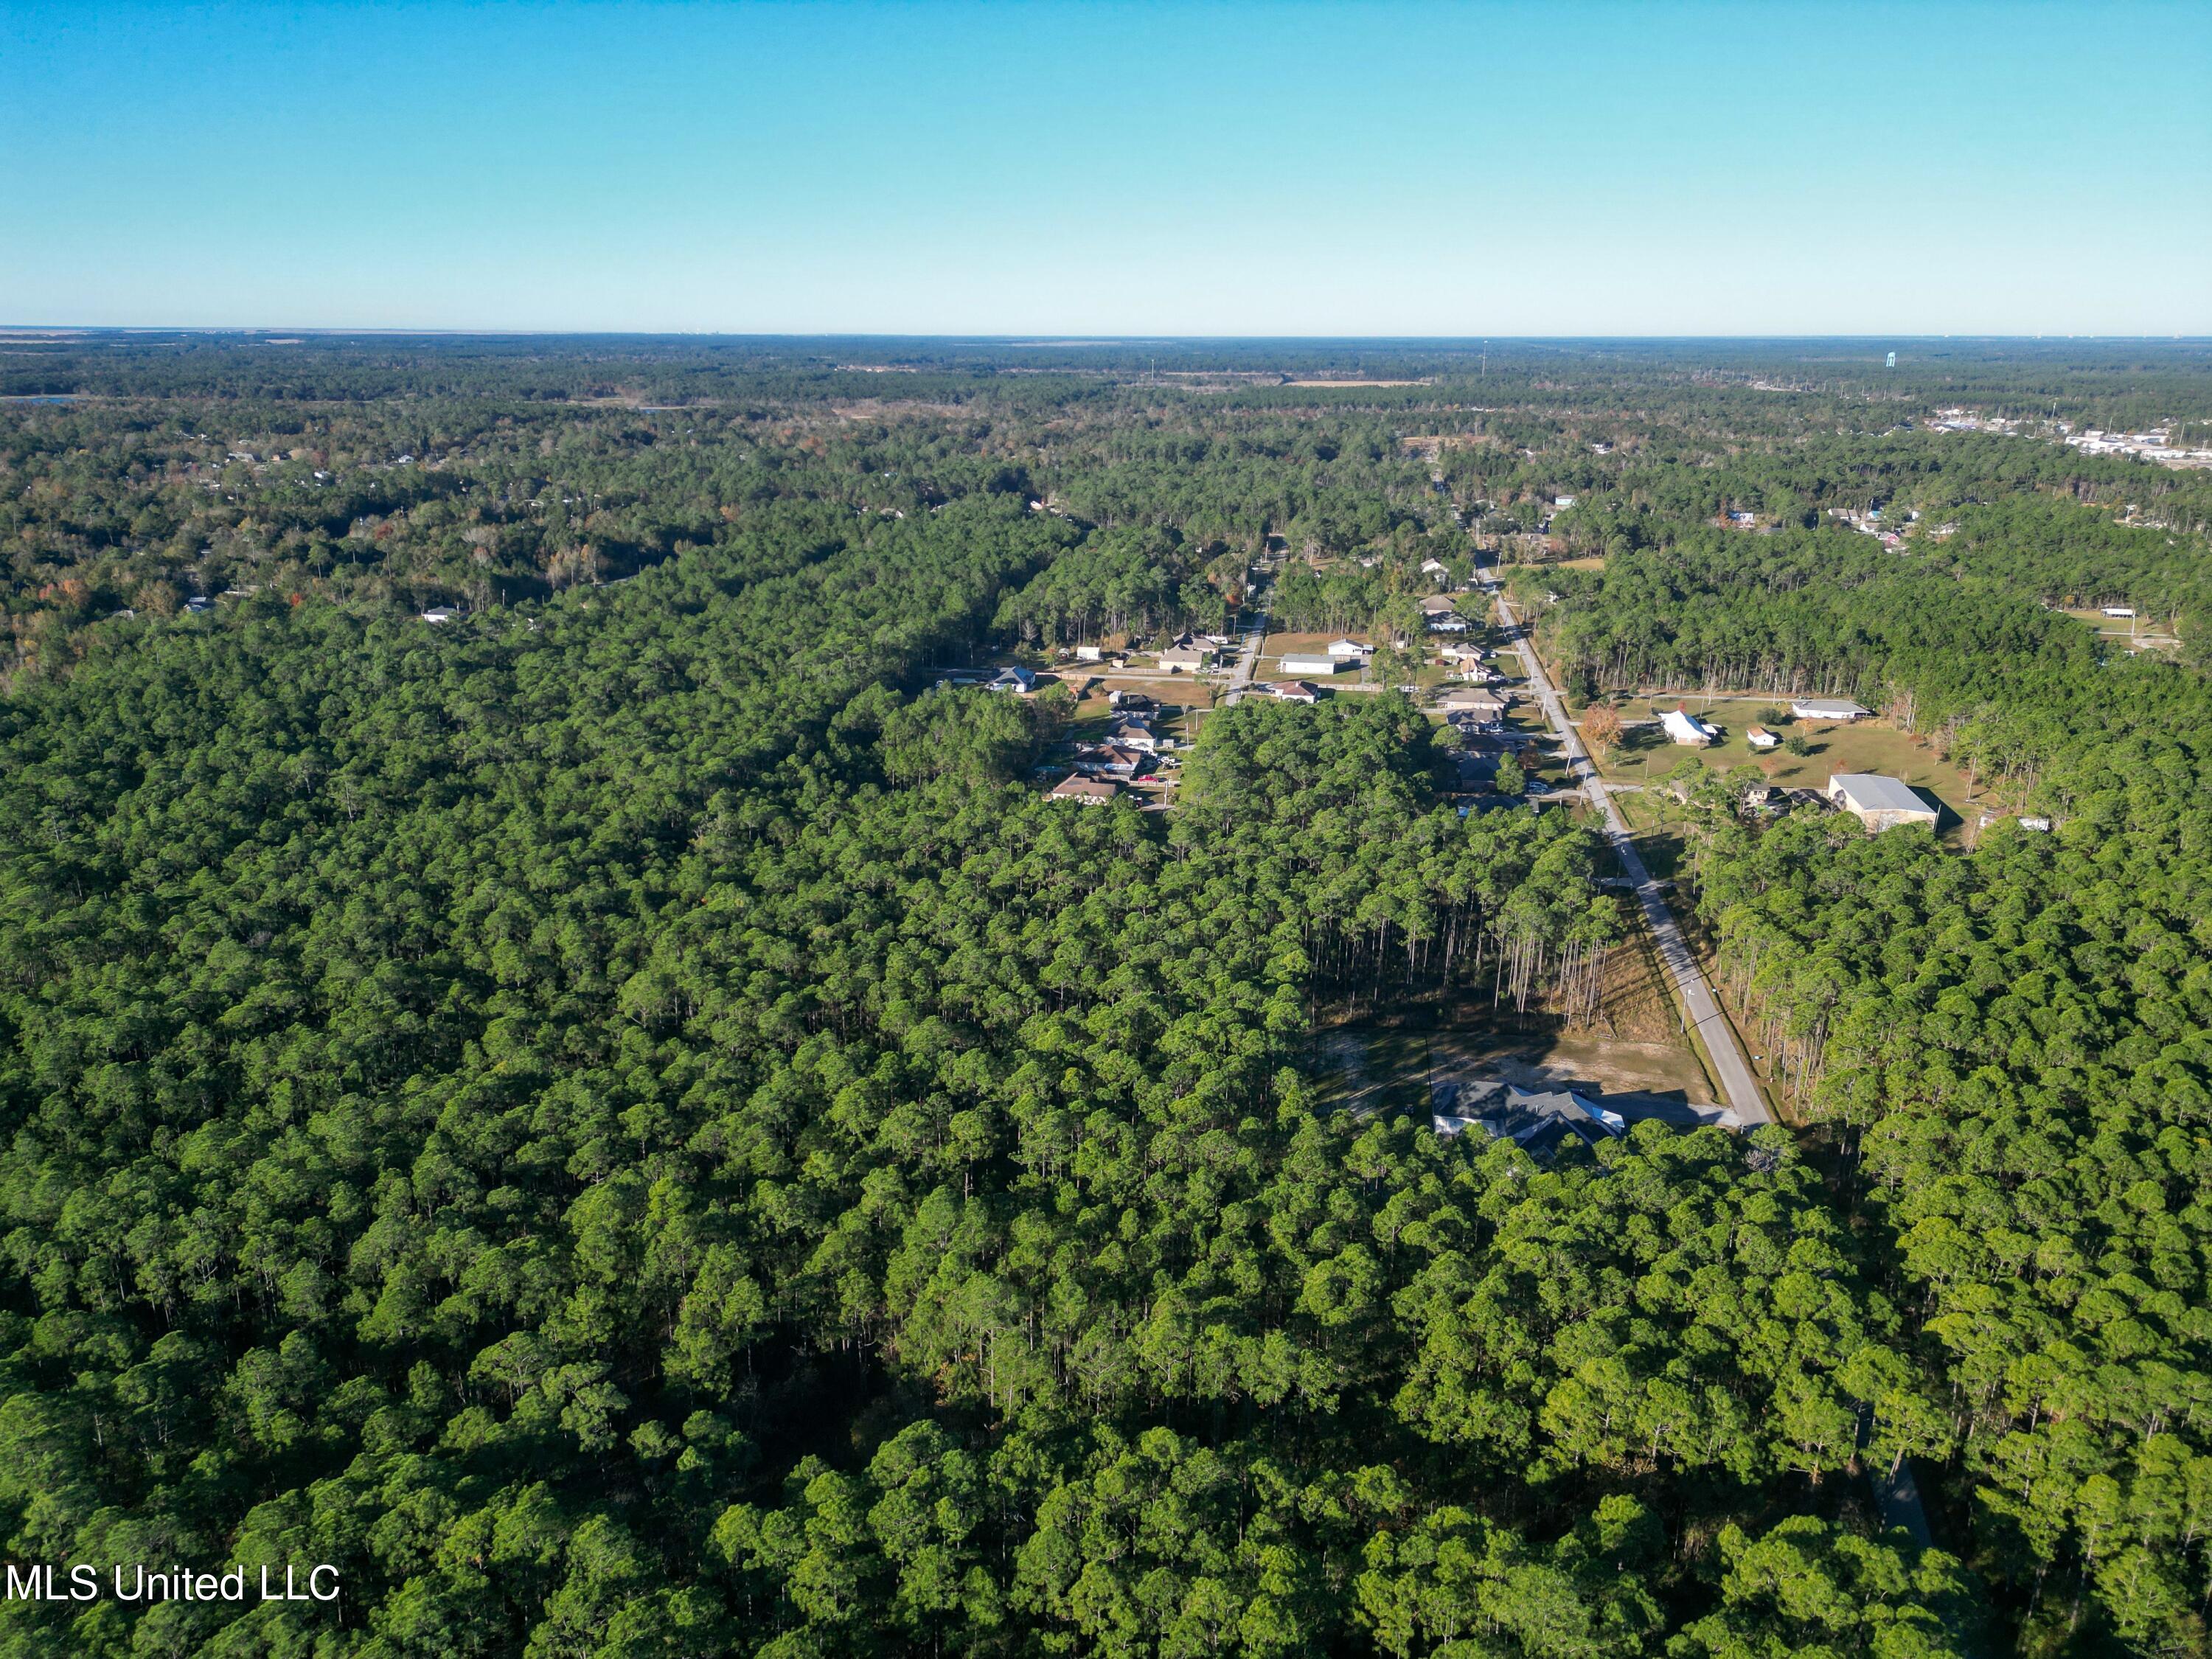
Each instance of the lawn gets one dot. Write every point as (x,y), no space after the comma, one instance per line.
(1867,746)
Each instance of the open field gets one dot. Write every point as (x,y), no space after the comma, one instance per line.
(2145,633)
(1867,746)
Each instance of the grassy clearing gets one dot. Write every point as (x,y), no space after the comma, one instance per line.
(1867,746)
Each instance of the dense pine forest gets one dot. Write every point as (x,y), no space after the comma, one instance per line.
(625,1121)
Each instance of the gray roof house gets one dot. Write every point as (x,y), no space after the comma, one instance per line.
(1538,1122)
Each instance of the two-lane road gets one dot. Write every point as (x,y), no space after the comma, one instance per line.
(1700,1008)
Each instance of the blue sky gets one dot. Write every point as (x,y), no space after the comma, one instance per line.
(1620,168)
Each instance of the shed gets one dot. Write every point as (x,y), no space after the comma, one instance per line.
(1828,709)
(1311,665)
(1760,738)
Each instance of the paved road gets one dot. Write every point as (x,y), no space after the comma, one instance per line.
(1247,663)
(1897,1495)
(1736,1079)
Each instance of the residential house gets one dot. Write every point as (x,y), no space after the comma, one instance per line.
(1438,605)
(1683,727)
(1760,739)
(1447,622)
(1351,650)
(1088,791)
(440,613)
(1292,691)
(1133,734)
(1131,702)
(1090,653)
(1483,706)
(1828,709)
(1435,568)
(1186,659)
(1878,802)
(1111,759)
(1019,680)
(1540,1122)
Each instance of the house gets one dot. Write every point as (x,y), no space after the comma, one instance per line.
(1760,739)
(1185,659)
(1448,621)
(2126,611)
(1292,691)
(197,604)
(1435,568)
(1133,734)
(1111,759)
(1131,702)
(1878,802)
(1683,727)
(1088,791)
(1458,653)
(1012,679)
(1540,1122)
(1561,503)
(1352,649)
(1484,706)
(1438,605)
(440,613)
(1828,709)
(1090,653)
(1311,665)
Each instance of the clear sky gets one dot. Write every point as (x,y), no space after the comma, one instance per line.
(1624,168)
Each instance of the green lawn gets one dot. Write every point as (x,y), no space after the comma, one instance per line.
(1867,746)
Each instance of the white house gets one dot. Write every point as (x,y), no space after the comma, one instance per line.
(1561,503)
(1088,653)
(2127,610)
(440,613)
(1685,727)
(1760,739)
(1435,568)
(1351,648)
(1302,665)
(1878,802)
(1185,659)
(1292,691)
